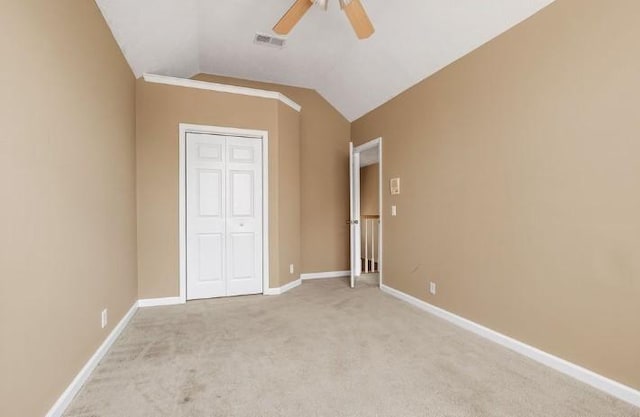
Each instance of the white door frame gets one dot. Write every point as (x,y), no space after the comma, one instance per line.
(354,215)
(182,201)
(375,143)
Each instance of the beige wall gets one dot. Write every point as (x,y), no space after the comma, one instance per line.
(520,169)
(369,190)
(67,240)
(288,193)
(159,110)
(520,173)
(369,206)
(324,176)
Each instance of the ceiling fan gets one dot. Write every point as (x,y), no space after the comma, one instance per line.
(353,9)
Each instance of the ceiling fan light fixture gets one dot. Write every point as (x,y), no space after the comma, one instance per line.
(354,10)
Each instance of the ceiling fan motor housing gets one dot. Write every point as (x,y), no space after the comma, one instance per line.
(325,3)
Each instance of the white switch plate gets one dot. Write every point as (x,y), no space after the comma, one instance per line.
(394,211)
(104,318)
(432,288)
(291,269)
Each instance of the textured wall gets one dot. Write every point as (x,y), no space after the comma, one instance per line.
(369,190)
(324,177)
(160,110)
(68,239)
(520,169)
(288,193)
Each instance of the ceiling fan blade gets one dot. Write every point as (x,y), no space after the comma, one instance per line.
(292,17)
(359,19)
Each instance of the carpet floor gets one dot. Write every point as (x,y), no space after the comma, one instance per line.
(321,350)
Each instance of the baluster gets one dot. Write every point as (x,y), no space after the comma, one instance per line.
(373,246)
(366,245)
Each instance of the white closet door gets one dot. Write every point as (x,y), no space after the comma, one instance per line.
(244,216)
(206,216)
(224,216)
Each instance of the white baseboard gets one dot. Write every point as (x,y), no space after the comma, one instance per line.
(284,288)
(323,275)
(58,409)
(600,382)
(154,302)
(67,396)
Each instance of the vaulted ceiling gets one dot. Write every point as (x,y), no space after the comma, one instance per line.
(413,39)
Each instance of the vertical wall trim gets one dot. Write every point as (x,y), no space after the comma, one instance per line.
(377,143)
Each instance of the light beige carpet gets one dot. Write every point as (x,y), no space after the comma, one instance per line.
(321,350)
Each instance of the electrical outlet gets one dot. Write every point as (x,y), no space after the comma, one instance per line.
(104,318)
(291,269)
(394,211)
(432,288)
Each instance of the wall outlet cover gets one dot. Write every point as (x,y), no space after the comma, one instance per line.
(291,269)
(432,288)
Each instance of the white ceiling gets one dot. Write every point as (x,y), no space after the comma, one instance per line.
(413,39)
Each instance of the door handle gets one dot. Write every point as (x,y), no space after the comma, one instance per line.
(350,222)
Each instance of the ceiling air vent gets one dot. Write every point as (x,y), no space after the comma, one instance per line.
(268,40)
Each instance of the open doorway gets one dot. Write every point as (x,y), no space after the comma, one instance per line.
(366,209)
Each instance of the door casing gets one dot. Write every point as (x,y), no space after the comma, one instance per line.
(355,194)
(185,128)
